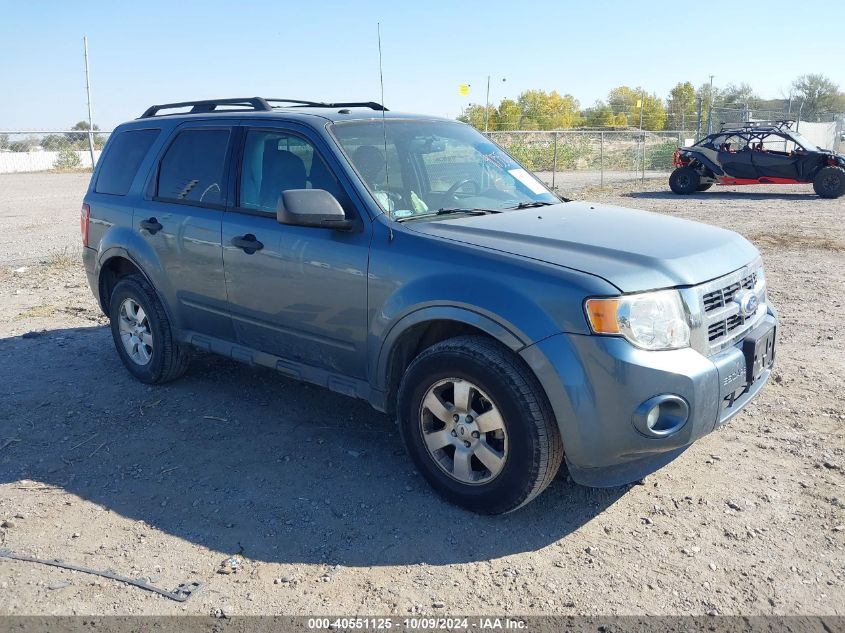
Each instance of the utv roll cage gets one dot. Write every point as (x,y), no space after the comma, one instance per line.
(784,125)
(754,131)
(251,104)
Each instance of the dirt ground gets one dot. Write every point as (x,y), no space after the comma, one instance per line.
(312,493)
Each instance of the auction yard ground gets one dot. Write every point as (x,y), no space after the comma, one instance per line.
(313,492)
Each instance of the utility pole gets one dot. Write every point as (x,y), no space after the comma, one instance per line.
(698,125)
(487,104)
(710,110)
(88,91)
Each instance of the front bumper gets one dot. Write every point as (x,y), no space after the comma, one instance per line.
(595,384)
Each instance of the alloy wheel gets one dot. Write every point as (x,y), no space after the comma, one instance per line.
(135,332)
(463,431)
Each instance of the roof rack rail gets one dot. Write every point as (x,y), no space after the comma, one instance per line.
(779,124)
(372,105)
(210,105)
(253,104)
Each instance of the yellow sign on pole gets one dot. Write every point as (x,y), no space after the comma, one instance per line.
(463,90)
(639,103)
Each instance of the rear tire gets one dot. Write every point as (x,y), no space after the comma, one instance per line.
(704,187)
(478,426)
(142,333)
(684,181)
(830,182)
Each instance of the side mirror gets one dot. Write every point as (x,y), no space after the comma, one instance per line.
(311,207)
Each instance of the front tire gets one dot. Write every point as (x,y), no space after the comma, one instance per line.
(830,182)
(478,426)
(684,181)
(704,187)
(142,333)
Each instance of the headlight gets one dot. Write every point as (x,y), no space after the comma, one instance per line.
(650,320)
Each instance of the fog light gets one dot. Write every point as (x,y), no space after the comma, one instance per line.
(661,416)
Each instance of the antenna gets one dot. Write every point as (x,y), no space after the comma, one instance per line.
(383,123)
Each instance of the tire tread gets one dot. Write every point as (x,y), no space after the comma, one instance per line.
(548,452)
(175,357)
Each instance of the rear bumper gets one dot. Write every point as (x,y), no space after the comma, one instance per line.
(89,260)
(596,384)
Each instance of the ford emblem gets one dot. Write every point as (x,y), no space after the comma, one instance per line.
(747,302)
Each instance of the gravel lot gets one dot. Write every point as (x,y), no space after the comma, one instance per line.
(312,492)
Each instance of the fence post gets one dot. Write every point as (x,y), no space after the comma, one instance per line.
(554,162)
(642,135)
(601,160)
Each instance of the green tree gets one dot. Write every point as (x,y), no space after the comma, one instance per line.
(474,115)
(547,111)
(67,159)
(564,111)
(634,101)
(818,94)
(738,96)
(710,97)
(54,142)
(80,139)
(508,115)
(25,145)
(602,115)
(682,107)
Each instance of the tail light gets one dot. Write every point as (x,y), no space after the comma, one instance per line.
(676,158)
(84,221)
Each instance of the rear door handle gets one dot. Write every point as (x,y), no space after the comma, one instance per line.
(152,225)
(248,243)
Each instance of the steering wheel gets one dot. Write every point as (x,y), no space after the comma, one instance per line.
(460,184)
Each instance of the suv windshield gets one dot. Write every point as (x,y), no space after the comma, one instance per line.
(417,168)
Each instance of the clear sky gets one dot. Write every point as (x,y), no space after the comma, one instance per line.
(157,51)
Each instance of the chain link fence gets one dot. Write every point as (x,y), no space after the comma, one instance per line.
(567,159)
(562,159)
(42,150)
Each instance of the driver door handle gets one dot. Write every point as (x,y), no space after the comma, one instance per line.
(248,243)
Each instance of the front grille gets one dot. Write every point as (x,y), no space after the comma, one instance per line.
(717,320)
(721,297)
(724,327)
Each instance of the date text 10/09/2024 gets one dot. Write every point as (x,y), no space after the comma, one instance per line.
(478,623)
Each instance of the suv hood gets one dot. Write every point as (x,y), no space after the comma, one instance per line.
(634,250)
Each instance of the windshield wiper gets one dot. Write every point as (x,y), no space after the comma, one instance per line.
(447,211)
(531,205)
(475,211)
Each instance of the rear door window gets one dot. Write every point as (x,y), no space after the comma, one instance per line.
(121,162)
(193,168)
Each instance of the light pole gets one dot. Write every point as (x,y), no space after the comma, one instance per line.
(88,92)
(487,104)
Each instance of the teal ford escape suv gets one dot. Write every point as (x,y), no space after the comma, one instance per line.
(411,262)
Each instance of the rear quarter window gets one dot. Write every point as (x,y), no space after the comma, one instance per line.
(121,161)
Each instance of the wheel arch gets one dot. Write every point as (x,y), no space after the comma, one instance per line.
(705,161)
(418,331)
(114,264)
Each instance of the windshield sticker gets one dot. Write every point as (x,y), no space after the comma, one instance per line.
(499,159)
(525,178)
